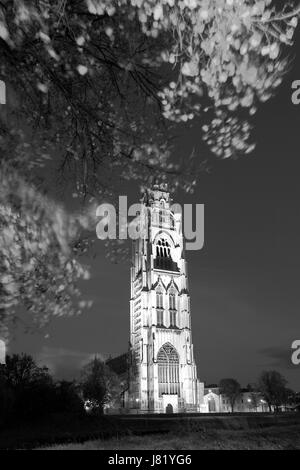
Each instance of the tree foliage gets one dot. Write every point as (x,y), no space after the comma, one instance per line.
(21,371)
(231,389)
(38,264)
(100,385)
(272,386)
(28,391)
(67,397)
(106,78)
(26,387)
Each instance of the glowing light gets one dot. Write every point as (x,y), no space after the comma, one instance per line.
(2,352)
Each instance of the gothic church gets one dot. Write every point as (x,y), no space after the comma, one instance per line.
(162,369)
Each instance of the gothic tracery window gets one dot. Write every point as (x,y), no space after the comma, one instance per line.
(173,314)
(160,317)
(172,300)
(172,307)
(163,258)
(168,370)
(160,306)
(163,248)
(159,298)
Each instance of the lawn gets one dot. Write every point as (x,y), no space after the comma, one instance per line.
(273,438)
(238,431)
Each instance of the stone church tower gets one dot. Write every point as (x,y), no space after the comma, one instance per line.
(162,370)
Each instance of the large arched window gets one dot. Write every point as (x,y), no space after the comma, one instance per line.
(163,258)
(168,370)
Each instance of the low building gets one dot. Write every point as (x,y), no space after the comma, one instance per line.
(249,401)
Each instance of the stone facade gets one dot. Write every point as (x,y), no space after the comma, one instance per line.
(162,369)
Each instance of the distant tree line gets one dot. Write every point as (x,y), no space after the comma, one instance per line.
(271,387)
(28,391)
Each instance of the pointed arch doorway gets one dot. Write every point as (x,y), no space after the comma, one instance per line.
(169,409)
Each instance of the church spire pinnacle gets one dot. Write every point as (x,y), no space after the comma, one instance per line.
(156,193)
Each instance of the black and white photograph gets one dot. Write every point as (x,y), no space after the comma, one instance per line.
(149,228)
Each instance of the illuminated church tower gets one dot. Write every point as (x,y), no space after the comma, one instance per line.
(162,372)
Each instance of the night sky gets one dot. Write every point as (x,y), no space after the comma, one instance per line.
(244,283)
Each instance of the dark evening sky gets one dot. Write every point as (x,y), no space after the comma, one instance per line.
(244,283)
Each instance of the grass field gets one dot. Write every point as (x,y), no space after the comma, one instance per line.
(272,438)
(178,432)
